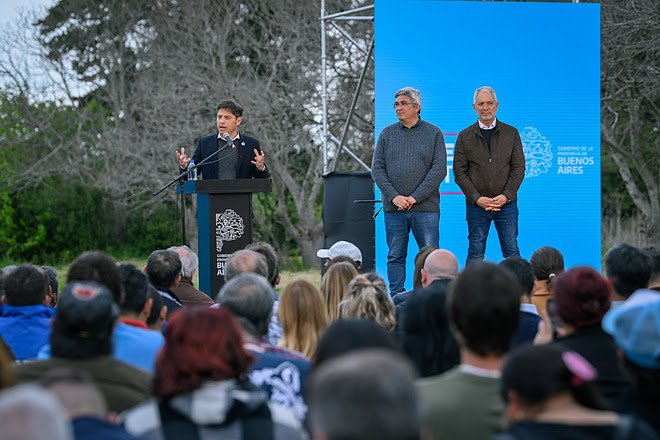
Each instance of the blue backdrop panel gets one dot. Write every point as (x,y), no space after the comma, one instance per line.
(543,60)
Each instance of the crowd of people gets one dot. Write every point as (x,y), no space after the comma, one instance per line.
(516,350)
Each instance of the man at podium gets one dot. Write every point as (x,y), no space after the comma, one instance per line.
(241,157)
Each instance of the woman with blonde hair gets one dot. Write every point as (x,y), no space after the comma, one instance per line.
(302,315)
(367,298)
(333,287)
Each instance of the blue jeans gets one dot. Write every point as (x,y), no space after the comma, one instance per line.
(425,227)
(506,224)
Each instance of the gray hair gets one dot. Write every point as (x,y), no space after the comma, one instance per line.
(270,255)
(250,296)
(365,394)
(189,260)
(414,95)
(487,90)
(28,412)
(245,261)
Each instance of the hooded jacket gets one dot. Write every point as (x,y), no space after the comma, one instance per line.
(26,328)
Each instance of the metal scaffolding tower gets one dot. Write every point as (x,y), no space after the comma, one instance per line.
(333,20)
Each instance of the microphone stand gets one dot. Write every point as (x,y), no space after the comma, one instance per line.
(371,201)
(181,178)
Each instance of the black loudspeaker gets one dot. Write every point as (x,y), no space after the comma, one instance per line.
(344,219)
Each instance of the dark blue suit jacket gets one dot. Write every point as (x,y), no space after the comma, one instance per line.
(245,145)
(527,328)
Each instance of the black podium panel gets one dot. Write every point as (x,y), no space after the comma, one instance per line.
(231,218)
(344,219)
(224,222)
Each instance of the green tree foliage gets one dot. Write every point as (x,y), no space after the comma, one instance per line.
(48,217)
(57,220)
(156,70)
(101,42)
(147,230)
(54,221)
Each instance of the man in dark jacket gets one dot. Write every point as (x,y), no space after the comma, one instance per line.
(82,339)
(164,272)
(186,291)
(489,166)
(529,316)
(422,320)
(241,159)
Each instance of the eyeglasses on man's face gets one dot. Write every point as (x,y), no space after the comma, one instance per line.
(401,104)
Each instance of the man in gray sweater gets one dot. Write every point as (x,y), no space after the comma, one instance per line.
(410,162)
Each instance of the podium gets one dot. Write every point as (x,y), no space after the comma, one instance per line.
(224,224)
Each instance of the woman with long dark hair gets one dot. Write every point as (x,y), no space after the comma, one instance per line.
(550,394)
(547,263)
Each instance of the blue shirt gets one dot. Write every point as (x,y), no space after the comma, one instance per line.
(137,346)
(26,328)
(133,345)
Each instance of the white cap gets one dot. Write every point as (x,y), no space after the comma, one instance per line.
(341,248)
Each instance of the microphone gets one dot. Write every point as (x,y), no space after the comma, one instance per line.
(228,139)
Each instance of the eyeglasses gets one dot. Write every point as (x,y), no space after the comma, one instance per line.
(401,104)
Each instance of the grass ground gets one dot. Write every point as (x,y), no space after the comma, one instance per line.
(311,275)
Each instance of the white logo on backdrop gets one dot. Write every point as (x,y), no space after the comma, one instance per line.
(538,156)
(229,226)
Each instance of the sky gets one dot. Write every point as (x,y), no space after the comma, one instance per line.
(9,9)
(10,13)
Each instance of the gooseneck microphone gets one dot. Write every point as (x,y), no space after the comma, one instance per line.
(206,161)
(228,139)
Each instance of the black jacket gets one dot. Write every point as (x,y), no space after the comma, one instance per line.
(245,145)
